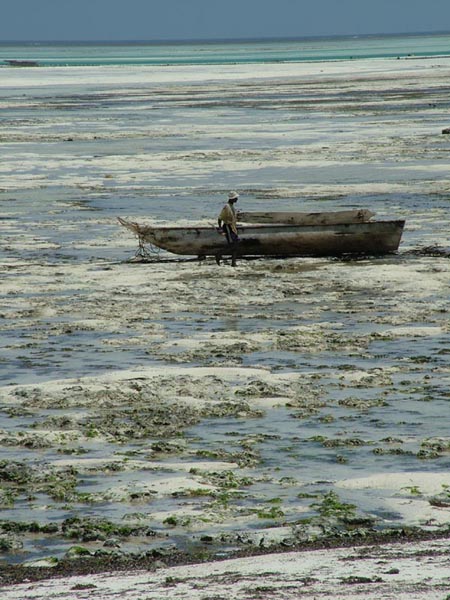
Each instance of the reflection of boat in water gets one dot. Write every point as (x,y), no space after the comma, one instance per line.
(313,234)
(21,63)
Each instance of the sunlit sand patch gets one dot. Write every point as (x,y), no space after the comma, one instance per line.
(425,482)
(420,497)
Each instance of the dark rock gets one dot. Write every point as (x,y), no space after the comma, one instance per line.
(112,543)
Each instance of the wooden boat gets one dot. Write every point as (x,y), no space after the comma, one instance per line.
(301,218)
(278,239)
(21,63)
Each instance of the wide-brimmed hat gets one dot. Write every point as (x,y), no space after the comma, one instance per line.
(233,196)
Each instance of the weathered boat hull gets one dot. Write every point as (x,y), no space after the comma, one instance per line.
(372,238)
(301,218)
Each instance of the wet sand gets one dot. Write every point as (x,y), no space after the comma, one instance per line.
(149,409)
(360,570)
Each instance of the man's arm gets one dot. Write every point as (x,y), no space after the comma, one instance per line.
(222,216)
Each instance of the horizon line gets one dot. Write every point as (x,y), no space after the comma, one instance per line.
(223,40)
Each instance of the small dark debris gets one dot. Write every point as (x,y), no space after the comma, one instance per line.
(83,586)
(355,579)
(429,251)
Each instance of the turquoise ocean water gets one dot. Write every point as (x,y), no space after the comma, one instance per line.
(230,52)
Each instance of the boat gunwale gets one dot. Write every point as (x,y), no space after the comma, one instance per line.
(263,226)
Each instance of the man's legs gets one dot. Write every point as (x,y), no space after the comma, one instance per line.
(232,240)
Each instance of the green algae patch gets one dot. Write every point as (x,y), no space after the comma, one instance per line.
(273,512)
(332,506)
(95,529)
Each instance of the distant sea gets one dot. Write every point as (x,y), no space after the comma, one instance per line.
(226,52)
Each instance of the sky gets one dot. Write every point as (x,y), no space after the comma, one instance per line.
(83,20)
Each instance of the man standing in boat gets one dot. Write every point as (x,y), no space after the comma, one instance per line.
(227,223)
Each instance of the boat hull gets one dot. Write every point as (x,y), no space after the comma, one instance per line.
(302,218)
(370,238)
